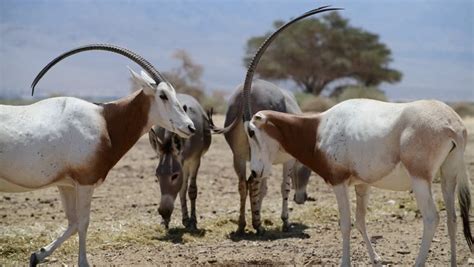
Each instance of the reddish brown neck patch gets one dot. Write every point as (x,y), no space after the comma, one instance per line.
(125,120)
(298,135)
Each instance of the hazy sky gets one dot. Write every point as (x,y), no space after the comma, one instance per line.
(432,41)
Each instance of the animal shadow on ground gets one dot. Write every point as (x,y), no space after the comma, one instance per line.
(275,233)
(175,235)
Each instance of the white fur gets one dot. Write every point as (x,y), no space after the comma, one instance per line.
(41,140)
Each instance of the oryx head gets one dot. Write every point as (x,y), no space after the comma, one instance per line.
(265,150)
(165,109)
(169,148)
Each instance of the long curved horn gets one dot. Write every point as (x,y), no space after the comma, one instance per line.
(245,108)
(147,66)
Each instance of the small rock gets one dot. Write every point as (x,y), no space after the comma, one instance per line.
(134,205)
(7,198)
(391,202)
(403,252)
(470,261)
(374,238)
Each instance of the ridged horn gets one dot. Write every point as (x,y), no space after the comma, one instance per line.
(147,66)
(245,108)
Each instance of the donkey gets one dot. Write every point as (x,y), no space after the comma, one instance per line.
(264,95)
(180,160)
(243,109)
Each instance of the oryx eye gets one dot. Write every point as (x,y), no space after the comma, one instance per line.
(163,97)
(185,108)
(251,133)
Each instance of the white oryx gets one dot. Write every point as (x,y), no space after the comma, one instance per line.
(72,144)
(397,146)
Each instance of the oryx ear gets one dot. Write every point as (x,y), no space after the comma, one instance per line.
(155,141)
(140,82)
(147,77)
(258,119)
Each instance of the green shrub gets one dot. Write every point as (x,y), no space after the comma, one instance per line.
(464,109)
(351,92)
(216,101)
(316,104)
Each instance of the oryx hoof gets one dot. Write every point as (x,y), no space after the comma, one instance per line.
(377,261)
(260,230)
(33,260)
(286,227)
(192,224)
(186,222)
(240,230)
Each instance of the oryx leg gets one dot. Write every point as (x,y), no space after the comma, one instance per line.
(285,191)
(424,199)
(240,170)
(362,198)
(83,206)
(182,196)
(68,199)
(451,169)
(193,191)
(345,221)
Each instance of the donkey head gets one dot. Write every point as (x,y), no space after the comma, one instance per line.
(169,148)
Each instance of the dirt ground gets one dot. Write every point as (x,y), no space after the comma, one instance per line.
(125,226)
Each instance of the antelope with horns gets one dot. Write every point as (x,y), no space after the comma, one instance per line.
(241,105)
(362,142)
(72,144)
(179,162)
(264,95)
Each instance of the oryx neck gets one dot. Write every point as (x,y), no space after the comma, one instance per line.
(126,121)
(298,135)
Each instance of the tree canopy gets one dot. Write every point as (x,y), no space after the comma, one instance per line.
(315,52)
(186,78)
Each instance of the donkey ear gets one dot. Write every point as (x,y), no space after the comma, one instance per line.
(142,82)
(177,142)
(155,141)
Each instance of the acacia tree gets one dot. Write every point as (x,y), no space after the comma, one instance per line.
(315,52)
(186,78)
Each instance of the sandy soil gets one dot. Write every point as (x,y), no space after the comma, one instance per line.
(125,226)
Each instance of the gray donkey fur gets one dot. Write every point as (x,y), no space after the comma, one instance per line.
(180,160)
(264,96)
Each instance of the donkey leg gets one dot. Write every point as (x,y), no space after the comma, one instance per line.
(362,198)
(193,191)
(254,191)
(424,199)
(68,199)
(182,197)
(285,191)
(345,221)
(239,167)
(83,205)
